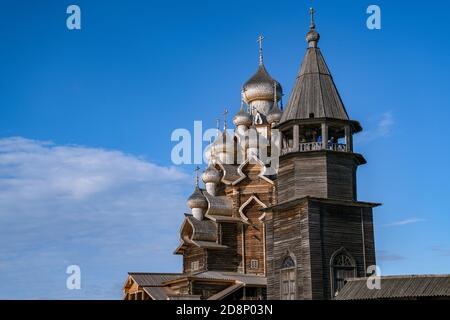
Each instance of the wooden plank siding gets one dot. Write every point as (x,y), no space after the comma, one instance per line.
(225,259)
(343,228)
(322,174)
(251,235)
(286,237)
(312,232)
(341,176)
(192,254)
(254,239)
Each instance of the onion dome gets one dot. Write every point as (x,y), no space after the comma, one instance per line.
(275,114)
(312,36)
(242,117)
(211,174)
(197,200)
(260,85)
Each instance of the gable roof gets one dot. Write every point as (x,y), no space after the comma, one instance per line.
(144,279)
(395,287)
(231,277)
(153,285)
(245,278)
(158,293)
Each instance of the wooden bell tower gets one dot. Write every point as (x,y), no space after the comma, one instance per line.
(318,233)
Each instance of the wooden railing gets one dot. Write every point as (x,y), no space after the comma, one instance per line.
(315,146)
(337,147)
(310,146)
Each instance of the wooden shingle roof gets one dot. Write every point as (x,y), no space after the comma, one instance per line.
(203,230)
(397,287)
(314,93)
(232,277)
(152,279)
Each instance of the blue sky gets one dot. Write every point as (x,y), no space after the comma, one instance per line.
(86,118)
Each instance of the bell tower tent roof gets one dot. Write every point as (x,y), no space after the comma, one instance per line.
(314,94)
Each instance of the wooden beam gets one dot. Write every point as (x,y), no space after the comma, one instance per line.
(348,139)
(324,135)
(296,137)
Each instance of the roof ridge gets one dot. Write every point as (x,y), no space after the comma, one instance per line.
(320,84)
(405,276)
(155,273)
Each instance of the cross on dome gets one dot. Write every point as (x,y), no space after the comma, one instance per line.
(260,40)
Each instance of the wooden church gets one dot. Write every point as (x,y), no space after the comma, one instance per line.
(278,217)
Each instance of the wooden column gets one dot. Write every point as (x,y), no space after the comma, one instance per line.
(324,135)
(348,139)
(243,248)
(264,247)
(280,143)
(295,136)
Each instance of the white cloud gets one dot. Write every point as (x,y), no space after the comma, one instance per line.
(107,211)
(405,222)
(382,129)
(385,125)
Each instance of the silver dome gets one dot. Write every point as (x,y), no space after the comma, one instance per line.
(211,174)
(260,86)
(274,115)
(197,200)
(312,37)
(242,117)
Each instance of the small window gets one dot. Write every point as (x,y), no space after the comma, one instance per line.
(342,267)
(195,265)
(311,115)
(254,264)
(288,262)
(288,279)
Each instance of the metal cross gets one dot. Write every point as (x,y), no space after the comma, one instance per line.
(225,112)
(197,169)
(311,12)
(260,40)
